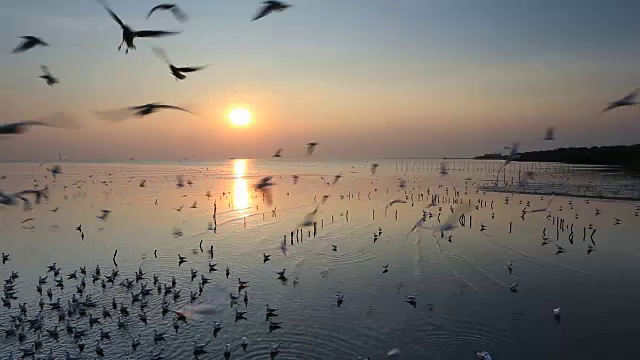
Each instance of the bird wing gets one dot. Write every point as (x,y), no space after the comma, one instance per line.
(631,96)
(155,33)
(189,69)
(162,106)
(457,212)
(113,15)
(159,7)
(180,15)
(264,11)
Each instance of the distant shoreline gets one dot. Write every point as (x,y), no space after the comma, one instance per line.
(627,156)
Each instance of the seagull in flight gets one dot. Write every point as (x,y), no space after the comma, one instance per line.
(278,153)
(139,111)
(46,75)
(177,72)
(57,120)
(264,186)
(628,100)
(180,15)
(311,147)
(547,208)
(28,42)
(270,6)
(104,214)
(128,34)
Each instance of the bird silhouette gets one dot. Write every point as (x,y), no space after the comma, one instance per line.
(28,42)
(46,75)
(128,34)
(177,72)
(270,6)
(180,15)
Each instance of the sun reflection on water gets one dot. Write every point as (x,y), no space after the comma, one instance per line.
(241,195)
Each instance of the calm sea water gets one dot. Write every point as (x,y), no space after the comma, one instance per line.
(464,302)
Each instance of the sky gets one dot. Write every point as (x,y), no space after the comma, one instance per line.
(365,79)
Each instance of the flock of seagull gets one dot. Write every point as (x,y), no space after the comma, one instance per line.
(80,311)
(83,308)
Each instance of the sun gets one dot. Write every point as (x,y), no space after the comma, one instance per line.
(240,117)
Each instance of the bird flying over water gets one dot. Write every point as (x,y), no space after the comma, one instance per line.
(177,72)
(180,15)
(278,153)
(46,75)
(547,208)
(628,100)
(270,6)
(128,34)
(28,42)
(139,111)
(264,186)
(311,147)
(57,120)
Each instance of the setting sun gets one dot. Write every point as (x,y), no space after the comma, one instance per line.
(240,117)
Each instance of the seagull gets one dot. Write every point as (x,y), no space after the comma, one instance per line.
(265,258)
(138,110)
(269,7)
(334,247)
(309,219)
(386,269)
(550,134)
(483,355)
(104,214)
(280,273)
(374,167)
(295,179)
(278,153)
(46,75)
(628,100)
(177,72)
(21,127)
(275,348)
(514,287)
(264,186)
(128,34)
(180,15)
(398,201)
(28,42)
(547,208)
(311,147)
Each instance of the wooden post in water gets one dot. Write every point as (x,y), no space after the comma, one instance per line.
(510,226)
(374,214)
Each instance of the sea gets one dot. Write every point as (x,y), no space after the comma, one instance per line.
(491,283)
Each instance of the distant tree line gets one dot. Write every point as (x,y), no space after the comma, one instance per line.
(620,155)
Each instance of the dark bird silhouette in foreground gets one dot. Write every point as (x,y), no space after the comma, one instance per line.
(46,75)
(278,153)
(139,111)
(270,6)
(57,120)
(174,8)
(128,34)
(177,72)
(628,100)
(28,42)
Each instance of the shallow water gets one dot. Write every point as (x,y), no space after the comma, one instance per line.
(464,298)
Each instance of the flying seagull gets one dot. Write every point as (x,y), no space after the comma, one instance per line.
(58,120)
(270,6)
(177,72)
(139,111)
(311,147)
(174,8)
(28,42)
(128,34)
(264,186)
(628,100)
(278,153)
(46,75)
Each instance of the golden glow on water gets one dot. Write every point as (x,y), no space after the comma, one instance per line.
(241,194)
